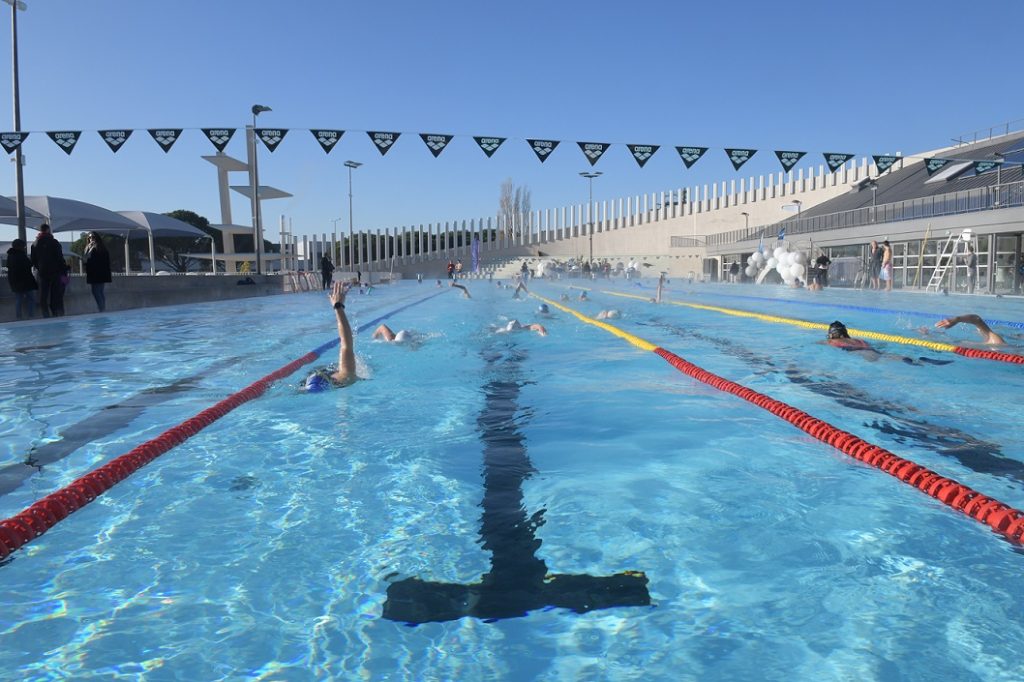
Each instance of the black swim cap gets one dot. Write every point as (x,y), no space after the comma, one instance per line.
(837,330)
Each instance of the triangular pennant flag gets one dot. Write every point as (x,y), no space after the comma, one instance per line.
(985,166)
(593,150)
(542,148)
(738,157)
(271,136)
(219,136)
(436,143)
(115,138)
(165,137)
(933,165)
(642,152)
(327,138)
(11,141)
(66,139)
(835,161)
(383,140)
(884,162)
(489,145)
(691,155)
(789,159)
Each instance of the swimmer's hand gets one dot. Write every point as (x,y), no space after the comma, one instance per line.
(337,294)
(947,323)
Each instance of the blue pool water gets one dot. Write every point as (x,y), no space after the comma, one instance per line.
(269,545)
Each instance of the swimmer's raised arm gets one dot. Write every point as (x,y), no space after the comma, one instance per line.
(989,336)
(465,291)
(346,373)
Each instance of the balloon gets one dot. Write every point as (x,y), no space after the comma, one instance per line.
(750,260)
(797,269)
(778,252)
(751,271)
(759,258)
(801,259)
(772,262)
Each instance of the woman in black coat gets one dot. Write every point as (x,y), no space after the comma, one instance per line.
(19,276)
(97,269)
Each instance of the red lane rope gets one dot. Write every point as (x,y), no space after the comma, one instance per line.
(44,514)
(1000,517)
(989,355)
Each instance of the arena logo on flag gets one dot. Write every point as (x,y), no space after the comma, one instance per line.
(66,139)
(642,152)
(271,137)
(835,161)
(219,137)
(11,141)
(691,155)
(435,143)
(542,148)
(489,145)
(985,166)
(934,165)
(738,157)
(884,162)
(383,140)
(593,150)
(115,138)
(165,137)
(789,159)
(327,138)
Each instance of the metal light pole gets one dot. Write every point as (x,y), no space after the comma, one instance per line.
(351,165)
(257,109)
(590,208)
(19,161)
(746,222)
(999,158)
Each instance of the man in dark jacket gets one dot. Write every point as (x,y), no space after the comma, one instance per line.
(326,270)
(19,276)
(48,260)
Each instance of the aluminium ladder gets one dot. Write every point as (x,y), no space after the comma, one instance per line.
(947,258)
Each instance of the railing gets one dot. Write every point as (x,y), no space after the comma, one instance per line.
(991,132)
(953,203)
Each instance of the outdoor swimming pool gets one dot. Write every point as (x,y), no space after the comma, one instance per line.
(702,537)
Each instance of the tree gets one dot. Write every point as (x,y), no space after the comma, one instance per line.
(514,208)
(173,251)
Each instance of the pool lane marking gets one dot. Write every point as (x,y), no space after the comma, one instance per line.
(865,333)
(44,514)
(999,516)
(518,581)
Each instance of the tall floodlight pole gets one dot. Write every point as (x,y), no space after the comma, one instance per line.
(590,208)
(351,165)
(19,161)
(873,186)
(746,223)
(257,233)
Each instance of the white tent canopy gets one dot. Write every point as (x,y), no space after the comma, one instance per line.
(71,215)
(9,213)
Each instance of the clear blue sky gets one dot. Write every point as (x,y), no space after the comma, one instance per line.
(867,77)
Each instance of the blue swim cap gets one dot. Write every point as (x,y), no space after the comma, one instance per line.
(316,383)
(542,308)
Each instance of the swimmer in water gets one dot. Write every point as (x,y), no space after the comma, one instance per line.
(989,337)
(609,315)
(583,296)
(345,374)
(839,337)
(520,287)
(543,310)
(465,291)
(384,333)
(517,326)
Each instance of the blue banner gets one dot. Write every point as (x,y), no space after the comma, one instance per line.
(474,251)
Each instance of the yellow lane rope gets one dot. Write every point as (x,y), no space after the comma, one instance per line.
(863,333)
(635,340)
